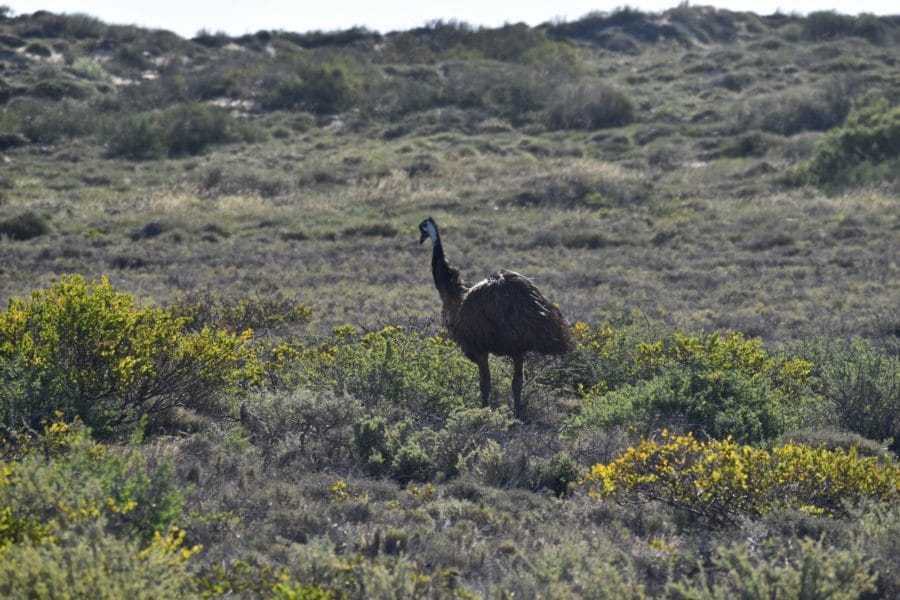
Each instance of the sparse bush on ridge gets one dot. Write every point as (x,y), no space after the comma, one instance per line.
(590,106)
(865,150)
(828,25)
(181,130)
(795,110)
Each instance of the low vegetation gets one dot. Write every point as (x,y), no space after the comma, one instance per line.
(368,459)
(221,371)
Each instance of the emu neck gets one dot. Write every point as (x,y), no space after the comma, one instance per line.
(446,277)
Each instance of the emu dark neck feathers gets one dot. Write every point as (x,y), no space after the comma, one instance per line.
(446,276)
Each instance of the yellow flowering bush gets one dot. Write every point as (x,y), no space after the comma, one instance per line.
(725,481)
(85,349)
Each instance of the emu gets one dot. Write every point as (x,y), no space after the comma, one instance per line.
(505,315)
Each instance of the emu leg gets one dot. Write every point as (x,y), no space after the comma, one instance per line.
(484,374)
(518,405)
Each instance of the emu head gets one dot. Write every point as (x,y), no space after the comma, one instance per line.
(428,228)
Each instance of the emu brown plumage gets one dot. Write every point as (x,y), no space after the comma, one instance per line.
(505,315)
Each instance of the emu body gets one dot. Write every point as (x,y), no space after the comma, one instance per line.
(505,315)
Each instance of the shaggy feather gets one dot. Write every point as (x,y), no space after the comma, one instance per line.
(506,315)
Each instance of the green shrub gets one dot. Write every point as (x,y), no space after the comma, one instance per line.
(274,314)
(24,227)
(135,137)
(374,443)
(426,375)
(408,454)
(190,128)
(590,106)
(185,129)
(795,110)
(93,564)
(306,427)
(323,568)
(38,49)
(572,567)
(725,482)
(327,89)
(809,569)
(864,384)
(832,439)
(827,25)
(60,481)
(48,122)
(404,91)
(465,431)
(716,402)
(878,533)
(87,350)
(715,384)
(411,463)
(90,68)
(49,25)
(508,43)
(865,150)
(872,28)
(242,579)
(388,450)
(558,474)
(509,91)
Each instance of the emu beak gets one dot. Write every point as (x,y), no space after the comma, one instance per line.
(423,237)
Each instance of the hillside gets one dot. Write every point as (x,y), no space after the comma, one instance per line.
(222,371)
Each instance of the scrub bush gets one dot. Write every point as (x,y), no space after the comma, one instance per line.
(590,106)
(716,384)
(426,375)
(86,350)
(724,482)
(865,150)
(186,129)
(808,570)
(79,519)
(863,382)
(60,479)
